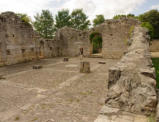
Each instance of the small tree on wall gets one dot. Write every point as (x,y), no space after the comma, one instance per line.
(96,41)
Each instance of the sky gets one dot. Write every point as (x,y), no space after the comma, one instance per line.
(108,8)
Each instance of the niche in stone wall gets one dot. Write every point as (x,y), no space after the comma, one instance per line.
(8,52)
(32,49)
(23,51)
(50,48)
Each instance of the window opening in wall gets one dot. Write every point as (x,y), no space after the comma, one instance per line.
(23,50)
(50,48)
(32,49)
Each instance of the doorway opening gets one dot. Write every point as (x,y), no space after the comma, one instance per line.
(96,42)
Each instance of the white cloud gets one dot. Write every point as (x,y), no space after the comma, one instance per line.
(23,6)
(92,7)
(155,7)
(107,7)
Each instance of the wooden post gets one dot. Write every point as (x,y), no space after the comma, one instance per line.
(85,67)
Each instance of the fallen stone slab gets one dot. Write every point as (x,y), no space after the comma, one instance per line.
(66,59)
(102,62)
(109,114)
(2,77)
(37,67)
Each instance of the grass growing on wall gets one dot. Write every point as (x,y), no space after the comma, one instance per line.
(155,62)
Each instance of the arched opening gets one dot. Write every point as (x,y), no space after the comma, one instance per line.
(96,42)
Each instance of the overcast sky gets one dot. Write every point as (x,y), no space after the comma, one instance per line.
(92,7)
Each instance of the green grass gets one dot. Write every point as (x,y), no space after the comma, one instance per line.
(155,62)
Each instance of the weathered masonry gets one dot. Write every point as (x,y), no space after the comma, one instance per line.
(131,82)
(115,34)
(20,43)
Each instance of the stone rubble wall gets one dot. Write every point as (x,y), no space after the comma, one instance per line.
(116,36)
(20,43)
(69,42)
(131,83)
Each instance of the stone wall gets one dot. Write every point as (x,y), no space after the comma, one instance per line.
(70,41)
(116,35)
(131,83)
(20,43)
(154,46)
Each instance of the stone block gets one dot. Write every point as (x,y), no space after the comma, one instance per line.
(37,67)
(66,59)
(85,67)
(2,77)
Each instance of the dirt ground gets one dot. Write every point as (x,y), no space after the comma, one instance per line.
(55,93)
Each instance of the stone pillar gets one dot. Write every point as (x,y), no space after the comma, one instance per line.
(85,67)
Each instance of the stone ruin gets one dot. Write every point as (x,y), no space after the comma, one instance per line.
(20,43)
(131,83)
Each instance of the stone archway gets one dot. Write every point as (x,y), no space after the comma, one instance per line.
(96,42)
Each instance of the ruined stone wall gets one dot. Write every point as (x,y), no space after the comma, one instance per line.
(131,83)
(154,46)
(20,43)
(70,40)
(116,35)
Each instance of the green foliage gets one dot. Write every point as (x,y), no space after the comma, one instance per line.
(98,20)
(63,18)
(131,30)
(24,17)
(96,40)
(119,16)
(155,62)
(152,118)
(44,24)
(152,17)
(79,20)
(149,27)
(124,16)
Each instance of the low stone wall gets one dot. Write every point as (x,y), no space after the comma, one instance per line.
(154,46)
(131,83)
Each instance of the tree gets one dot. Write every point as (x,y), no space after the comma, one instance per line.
(79,20)
(44,24)
(124,16)
(63,19)
(152,17)
(24,17)
(98,20)
(119,16)
(149,27)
